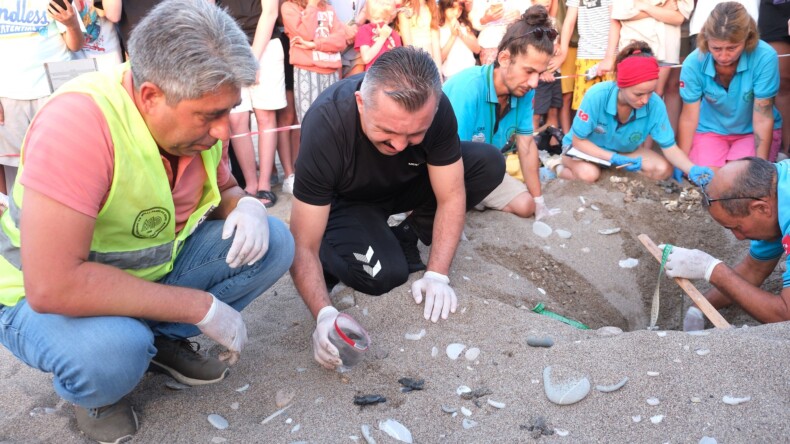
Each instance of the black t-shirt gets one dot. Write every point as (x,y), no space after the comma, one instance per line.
(336,159)
(773,20)
(246,13)
(131,14)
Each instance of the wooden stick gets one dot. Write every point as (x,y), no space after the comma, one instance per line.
(623,165)
(703,304)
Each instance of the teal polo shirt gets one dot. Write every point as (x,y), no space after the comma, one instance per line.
(474,100)
(764,250)
(729,111)
(596,121)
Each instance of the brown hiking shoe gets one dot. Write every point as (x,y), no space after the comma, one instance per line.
(109,424)
(180,359)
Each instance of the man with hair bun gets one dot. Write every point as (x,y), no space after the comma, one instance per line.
(133,233)
(377,144)
(748,197)
(493,104)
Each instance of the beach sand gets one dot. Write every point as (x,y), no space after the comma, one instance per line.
(499,274)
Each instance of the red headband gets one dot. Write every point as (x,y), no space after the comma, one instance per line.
(635,70)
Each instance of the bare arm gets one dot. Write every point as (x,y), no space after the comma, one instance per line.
(448,186)
(741,286)
(530,163)
(687,125)
(263,32)
(667,13)
(468,37)
(308,223)
(678,158)
(69,18)
(565,39)
(763,126)
(59,278)
(607,64)
(404,29)
(436,49)
(112,10)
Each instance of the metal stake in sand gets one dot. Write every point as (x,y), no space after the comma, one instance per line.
(692,292)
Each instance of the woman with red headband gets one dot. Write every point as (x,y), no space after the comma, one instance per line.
(616,117)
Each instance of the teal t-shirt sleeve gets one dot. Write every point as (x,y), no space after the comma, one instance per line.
(691,78)
(766,77)
(464,106)
(524,125)
(584,122)
(661,131)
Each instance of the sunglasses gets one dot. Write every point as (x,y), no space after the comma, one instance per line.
(707,201)
(539,33)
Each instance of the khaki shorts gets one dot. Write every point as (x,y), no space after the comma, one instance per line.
(18,115)
(269,93)
(504,193)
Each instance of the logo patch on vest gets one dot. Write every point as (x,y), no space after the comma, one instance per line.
(149,223)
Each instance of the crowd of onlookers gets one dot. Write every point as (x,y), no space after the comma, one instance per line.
(304,46)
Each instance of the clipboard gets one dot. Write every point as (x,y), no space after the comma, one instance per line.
(576,154)
(59,73)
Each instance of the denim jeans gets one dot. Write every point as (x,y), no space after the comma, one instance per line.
(95,361)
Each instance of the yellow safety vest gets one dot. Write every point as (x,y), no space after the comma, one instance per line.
(135,229)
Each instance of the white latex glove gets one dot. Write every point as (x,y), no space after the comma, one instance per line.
(224,325)
(541,210)
(250,222)
(440,298)
(689,264)
(694,320)
(324,352)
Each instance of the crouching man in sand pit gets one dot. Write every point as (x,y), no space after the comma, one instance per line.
(751,198)
(373,146)
(126,233)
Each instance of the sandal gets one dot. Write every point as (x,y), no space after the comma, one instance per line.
(268,195)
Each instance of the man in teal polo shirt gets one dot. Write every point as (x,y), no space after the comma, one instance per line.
(493,104)
(750,198)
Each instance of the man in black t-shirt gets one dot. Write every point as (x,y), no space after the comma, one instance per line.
(373,146)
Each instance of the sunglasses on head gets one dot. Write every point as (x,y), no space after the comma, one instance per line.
(707,201)
(539,33)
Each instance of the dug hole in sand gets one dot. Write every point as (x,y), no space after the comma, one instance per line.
(676,387)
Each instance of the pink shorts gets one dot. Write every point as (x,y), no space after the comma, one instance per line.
(714,150)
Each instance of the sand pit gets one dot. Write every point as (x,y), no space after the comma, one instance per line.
(500,273)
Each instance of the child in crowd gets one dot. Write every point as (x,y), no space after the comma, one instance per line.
(548,94)
(655,23)
(377,37)
(491,18)
(456,37)
(615,118)
(418,24)
(317,37)
(102,42)
(728,86)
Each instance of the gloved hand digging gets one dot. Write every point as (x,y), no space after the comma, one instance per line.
(634,164)
(440,299)
(541,210)
(324,352)
(225,326)
(251,226)
(700,175)
(689,264)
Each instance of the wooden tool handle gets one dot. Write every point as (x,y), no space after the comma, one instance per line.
(703,304)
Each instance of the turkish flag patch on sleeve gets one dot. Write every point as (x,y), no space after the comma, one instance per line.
(584,116)
(786,243)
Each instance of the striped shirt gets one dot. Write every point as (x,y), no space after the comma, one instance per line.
(593,25)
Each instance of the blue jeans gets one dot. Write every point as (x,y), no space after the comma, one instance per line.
(95,361)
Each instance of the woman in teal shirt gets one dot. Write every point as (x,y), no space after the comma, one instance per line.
(615,118)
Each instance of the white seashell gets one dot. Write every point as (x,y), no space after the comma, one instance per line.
(541,291)
(585,250)
(454,414)
(454,350)
(652,373)
(698,333)
(708,440)
(472,354)
(300,369)
(244,388)
(686,347)
(275,414)
(234,405)
(636,418)
(703,351)
(415,336)
(695,400)
(396,430)
(175,385)
(580,210)
(465,411)
(561,432)
(594,207)
(564,234)
(661,334)
(218,421)
(468,423)
(296,428)
(218,440)
(609,330)
(283,397)
(289,420)
(629,263)
(656,419)
(365,311)
(677,360)
(434,352)
(581,198)
(536,381)
(731,400)
(618,179)
(565,392)
(496,404)
(354,438)
(653,401)
(469,368)
(462,389)
(366,434)
(541,229)
(612,388)
(608,231)
(447,409)
(466,278)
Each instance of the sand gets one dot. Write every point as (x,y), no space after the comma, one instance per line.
(498,273)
